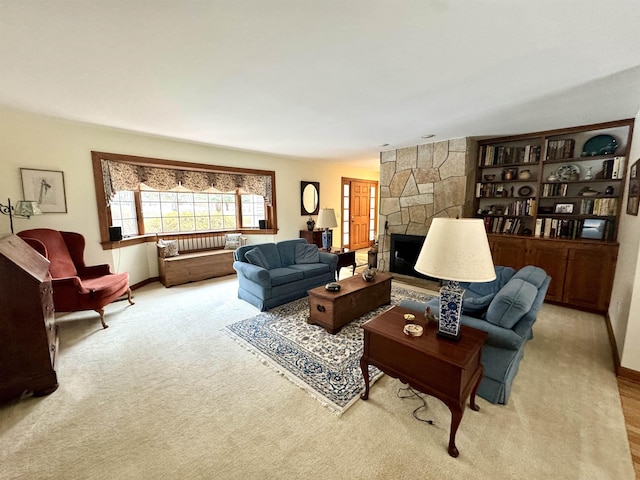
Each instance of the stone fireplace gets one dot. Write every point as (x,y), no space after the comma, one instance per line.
(422,182)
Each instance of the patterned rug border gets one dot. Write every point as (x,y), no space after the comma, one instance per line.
(287,369)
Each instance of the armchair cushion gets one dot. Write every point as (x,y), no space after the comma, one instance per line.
(511,303)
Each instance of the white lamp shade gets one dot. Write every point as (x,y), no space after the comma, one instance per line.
(326,218)
(456,249)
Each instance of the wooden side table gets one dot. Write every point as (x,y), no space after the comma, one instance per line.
(345,259)
(450,371)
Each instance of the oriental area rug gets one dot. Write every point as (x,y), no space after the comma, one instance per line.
(324,365)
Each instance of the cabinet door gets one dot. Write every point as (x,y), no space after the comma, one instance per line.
(589,276)
(552,258)
(508,252)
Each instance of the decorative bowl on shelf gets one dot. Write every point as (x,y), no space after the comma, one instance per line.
(599,145)
(489,178)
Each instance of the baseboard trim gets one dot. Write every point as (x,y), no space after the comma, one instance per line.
(621,372)
(145,282)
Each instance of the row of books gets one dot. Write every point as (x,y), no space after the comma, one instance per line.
(554,189)
(506,225)
(572,229)
(602,207)
(521,207)
(613,168)
(501,155)
(560,149)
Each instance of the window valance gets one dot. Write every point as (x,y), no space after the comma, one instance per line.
(118,176)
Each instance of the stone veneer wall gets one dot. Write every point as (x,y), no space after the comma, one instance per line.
(422,182)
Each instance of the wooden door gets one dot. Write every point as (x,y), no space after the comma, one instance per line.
(590,272)
(552,258)
(359,210)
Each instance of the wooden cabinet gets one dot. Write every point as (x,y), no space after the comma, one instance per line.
(581,272)
(508,253)
(28,333)
(312,237)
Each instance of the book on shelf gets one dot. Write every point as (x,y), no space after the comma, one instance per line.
(538,228)
(618,168)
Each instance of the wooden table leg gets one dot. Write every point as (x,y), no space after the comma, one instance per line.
(364,366)
(472,400)
(456,418)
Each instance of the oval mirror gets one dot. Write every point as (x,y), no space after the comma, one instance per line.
(310,193)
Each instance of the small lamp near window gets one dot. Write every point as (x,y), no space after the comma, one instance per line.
(23,209)
(455,250)
(327,220)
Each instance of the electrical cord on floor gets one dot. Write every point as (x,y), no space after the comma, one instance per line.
(413,394)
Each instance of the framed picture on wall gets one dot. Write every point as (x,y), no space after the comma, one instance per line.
(633,197)
(45,187)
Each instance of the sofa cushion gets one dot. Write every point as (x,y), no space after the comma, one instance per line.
(256,257)
(476,305)
(280,276)
(271,253)
(511,303)
(306,253)
(310,270)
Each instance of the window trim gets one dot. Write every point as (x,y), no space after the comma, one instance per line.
(104,211)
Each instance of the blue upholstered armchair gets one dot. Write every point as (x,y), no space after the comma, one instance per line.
(506,308)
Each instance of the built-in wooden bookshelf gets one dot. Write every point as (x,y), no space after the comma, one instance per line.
(554,199)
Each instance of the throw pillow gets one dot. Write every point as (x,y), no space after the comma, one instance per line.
(256,257)
(476,305)
(167,248)
(306,253)
(232,241)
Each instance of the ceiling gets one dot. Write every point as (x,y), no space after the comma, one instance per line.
(322,80)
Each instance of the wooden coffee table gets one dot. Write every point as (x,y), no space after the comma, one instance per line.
(445,369)
(333,310)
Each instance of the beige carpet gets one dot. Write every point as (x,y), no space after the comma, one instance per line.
(165,393)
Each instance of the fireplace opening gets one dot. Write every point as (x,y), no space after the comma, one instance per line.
(404,253)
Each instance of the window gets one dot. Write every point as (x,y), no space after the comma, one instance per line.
(148,196)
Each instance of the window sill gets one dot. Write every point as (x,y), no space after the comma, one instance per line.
(152,237)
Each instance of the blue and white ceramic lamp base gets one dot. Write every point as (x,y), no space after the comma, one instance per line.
(450,309)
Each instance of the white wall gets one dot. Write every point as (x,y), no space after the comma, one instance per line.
(34,141)
(624,309)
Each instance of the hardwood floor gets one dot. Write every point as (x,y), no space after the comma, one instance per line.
(630,398)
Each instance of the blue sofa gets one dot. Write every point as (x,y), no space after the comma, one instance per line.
(270,274)
(506,308)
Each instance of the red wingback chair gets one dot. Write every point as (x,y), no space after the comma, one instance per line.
(76,286)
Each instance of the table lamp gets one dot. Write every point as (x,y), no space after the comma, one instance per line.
(455,250)
(327,220)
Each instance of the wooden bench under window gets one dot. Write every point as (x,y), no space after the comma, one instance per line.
(201,256)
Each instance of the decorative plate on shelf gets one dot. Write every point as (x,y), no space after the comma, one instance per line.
(566,172)
(599,145)
(525,191)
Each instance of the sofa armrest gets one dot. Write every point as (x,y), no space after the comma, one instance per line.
(254,273)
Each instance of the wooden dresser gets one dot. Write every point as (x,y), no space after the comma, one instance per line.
(28,332)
